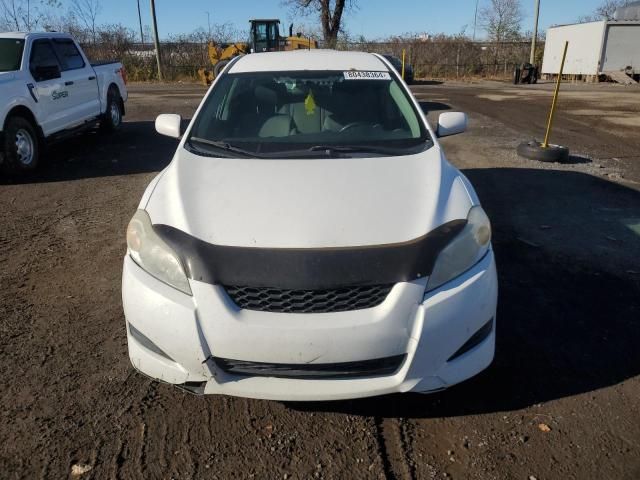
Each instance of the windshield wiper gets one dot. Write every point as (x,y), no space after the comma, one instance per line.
(358,149)
(335,151)
(227,147)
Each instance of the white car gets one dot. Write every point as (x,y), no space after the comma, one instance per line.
(49,91)
(309,240)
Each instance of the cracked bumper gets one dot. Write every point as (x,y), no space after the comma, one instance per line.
(429,329)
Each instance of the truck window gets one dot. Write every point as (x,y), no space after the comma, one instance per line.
(10,54)
(68,54)
(42,57)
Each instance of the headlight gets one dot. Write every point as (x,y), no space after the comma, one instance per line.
(153,255)
(464,251)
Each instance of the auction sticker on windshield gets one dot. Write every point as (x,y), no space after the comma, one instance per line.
(356,75)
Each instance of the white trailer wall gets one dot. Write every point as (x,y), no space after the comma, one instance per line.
(583,56)
(622,47)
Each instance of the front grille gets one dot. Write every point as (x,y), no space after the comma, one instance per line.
(364,368)
(308,301)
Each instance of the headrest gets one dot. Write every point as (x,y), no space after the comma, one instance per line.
(266,95)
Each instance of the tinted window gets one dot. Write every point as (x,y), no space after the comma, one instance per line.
(43,57)
(10,54)
(68,54)
(281,111)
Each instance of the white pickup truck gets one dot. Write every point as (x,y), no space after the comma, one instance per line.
(50,90)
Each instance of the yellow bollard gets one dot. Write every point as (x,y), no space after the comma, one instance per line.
(555,98)
(403,55)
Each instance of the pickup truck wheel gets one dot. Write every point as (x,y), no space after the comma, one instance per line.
(21,146)
(113,116)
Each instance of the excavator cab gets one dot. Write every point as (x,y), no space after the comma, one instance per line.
(265,35)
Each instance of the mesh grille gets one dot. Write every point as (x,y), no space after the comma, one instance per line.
(364,368)
(308,301)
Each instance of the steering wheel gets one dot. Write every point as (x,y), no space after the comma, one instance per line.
(354,125)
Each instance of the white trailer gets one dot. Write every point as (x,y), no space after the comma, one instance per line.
(595,48)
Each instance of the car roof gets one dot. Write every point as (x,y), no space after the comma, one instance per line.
(314,59)
(24,35)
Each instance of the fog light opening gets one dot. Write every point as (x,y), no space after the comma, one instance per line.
(146,343)
(475,340)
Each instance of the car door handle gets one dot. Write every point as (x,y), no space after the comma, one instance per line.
(68,83)
(92,78)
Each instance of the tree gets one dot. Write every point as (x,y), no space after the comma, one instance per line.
(24,15)
(87,12)
(15,15)
(330,13)
(605,11)
(502,20)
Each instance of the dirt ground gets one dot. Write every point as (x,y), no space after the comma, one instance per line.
(561,401)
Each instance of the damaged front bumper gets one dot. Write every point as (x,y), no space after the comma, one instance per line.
(444,337)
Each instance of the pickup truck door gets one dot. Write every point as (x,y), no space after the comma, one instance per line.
(47,88)
(79,80)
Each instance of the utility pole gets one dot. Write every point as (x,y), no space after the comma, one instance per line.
(209,24)
(156,39)
(475,21)
(140,20)
(28,15)
(532,57)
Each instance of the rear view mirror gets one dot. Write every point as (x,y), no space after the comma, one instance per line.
(48,72)
(169,124)
(451,123)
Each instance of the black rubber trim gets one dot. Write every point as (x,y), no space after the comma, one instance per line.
(307,268)
(475,340)
(30,87)
(142,339)
(328,371)
(194,388)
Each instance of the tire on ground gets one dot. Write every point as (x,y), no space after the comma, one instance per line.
(21,146)
(112,118)
(533,150)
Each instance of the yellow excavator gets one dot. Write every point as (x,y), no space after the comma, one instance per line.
(264,37)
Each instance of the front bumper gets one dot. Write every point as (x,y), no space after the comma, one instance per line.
(175,337)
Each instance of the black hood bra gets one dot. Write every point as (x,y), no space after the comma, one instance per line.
(309,268)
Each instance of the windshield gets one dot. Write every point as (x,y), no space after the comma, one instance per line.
(331,112)
(10,54)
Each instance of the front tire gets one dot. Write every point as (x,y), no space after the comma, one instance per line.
(21,146)
(112,119)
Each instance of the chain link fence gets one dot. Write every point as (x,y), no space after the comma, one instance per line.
(453,58)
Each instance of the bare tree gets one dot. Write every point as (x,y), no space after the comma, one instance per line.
(25,15)
(330,13)
(605,10)
(14,15)
(502,20)
(87,12)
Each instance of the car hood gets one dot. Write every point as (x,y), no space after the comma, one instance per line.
(6,76)
(308,203)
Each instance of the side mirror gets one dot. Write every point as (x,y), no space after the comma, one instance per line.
(451,123)
(48,72)
(169,124)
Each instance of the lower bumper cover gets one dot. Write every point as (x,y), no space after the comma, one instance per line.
(433,329)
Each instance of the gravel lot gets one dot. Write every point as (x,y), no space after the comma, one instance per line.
(561,401)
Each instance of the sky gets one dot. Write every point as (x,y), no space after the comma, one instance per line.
(374,18)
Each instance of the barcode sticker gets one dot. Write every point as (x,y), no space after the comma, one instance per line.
(359,75)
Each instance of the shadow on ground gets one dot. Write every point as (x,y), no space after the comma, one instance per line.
(433,106)
(427,82)
(135,148)
(565,327)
